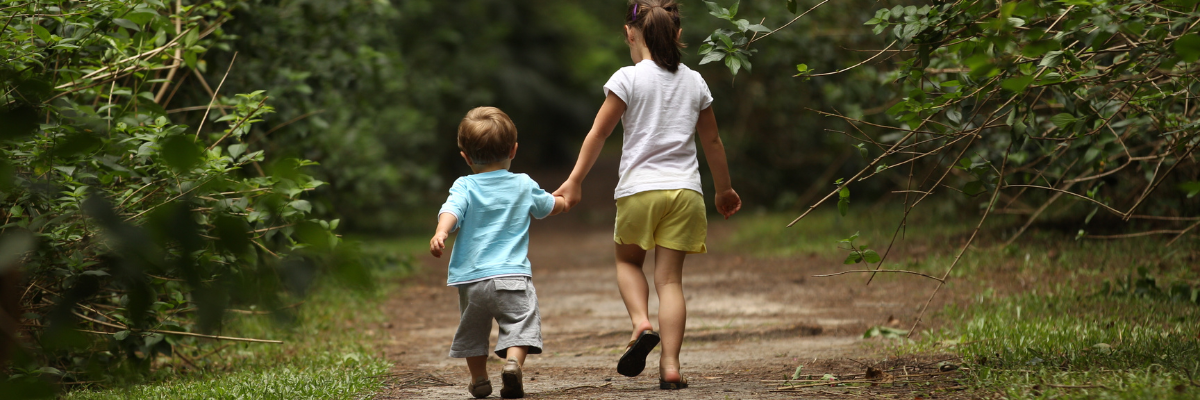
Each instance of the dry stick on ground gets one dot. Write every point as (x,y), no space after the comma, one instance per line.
(123,327)
(873,271)
(215,93)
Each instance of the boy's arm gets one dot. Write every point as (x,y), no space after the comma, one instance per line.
(606,120)
(726,199)
(446,222)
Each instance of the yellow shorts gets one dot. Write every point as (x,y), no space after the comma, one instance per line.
(669,218)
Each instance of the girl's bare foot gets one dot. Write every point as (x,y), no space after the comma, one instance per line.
(640,327)
(669,374)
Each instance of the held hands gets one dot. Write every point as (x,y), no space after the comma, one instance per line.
(571,192)
(727,202)
(437,244)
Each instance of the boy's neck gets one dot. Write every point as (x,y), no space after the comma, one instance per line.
(496,166)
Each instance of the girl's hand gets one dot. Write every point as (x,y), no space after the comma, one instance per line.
(727,202)
(570,191)
(437,244)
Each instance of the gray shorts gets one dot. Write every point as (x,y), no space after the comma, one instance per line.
(512,302)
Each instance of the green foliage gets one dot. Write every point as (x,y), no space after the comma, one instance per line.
(730,45)
(128,225)
(374,91)
(1051,97)
(858,254)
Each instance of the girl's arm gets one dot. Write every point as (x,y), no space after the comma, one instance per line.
(610,113)
(726,200)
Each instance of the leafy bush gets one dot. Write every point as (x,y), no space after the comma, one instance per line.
(136,233)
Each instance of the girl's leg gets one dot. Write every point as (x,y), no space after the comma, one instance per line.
(634,290)
(672,313)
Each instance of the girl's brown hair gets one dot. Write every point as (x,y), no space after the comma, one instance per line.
(659,23)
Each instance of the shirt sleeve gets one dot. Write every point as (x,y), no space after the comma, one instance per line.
(706,98)
(543,202)
(456,204)
(619,85)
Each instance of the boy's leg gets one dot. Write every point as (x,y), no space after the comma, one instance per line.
(672,312)
(518,353)
(478,367)
(632,283)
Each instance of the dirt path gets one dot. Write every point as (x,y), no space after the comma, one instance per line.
(749,319)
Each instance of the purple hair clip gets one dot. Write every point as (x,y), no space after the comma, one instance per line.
(635,7)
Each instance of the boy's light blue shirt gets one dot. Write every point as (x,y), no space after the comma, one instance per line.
(493,211)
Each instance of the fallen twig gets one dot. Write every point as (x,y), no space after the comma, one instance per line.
(881,270)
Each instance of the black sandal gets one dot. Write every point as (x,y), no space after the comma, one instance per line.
(664,385)
(633,362)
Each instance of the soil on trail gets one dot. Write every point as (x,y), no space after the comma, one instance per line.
(749,319)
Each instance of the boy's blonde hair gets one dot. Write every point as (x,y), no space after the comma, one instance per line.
(487,135)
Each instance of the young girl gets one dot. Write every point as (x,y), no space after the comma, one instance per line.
(659,203)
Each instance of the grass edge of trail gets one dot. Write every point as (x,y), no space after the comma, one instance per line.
(1050,316)
(328,352)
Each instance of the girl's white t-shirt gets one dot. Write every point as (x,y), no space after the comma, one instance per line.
(659,152)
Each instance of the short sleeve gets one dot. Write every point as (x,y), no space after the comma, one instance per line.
(619,84)
(456,204)
(543,202)
(706,98)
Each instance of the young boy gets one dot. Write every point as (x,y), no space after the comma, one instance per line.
(491,209)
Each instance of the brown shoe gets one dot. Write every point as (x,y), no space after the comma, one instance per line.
(513,387)
(480,389)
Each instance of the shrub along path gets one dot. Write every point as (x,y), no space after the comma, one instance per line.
(749,319)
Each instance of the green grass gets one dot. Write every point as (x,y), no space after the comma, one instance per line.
(1106,346)
(1048,310)
(329,350)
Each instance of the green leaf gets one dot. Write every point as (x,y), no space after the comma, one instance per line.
(881,167)
(733,9)
(725,39)
(853,258)
(803,68)
(844,192)
(1187,47)
(41,33)
(127,24)
(180,152)
(302,205)
(1052,59)
(1017,84)
(236,150)
(715,55)
(760,28)
(734,64)
(844,206)
(791,6)
(713,8)
(1191,188)
(121,335)
(871,256)
(973,188)
(1063,120)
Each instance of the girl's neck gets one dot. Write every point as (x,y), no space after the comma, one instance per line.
(638,51)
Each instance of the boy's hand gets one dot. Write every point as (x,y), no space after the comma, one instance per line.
(727,202)
(437,244)
(571,192)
